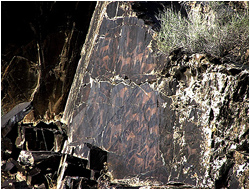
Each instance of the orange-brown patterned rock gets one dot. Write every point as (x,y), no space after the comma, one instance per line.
(115,108)
(153,117)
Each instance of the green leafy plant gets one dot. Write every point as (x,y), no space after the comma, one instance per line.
(220,31)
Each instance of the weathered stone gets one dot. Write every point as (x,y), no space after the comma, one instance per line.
(19,81)
(14,116)
(157,121)
(78,183)
(40,51)
(170,119)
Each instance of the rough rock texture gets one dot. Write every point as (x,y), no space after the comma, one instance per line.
(156,121)
(40,50)
(14,116)
(178,118)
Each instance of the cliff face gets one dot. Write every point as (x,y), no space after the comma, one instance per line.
(40,50)
(156,119)
(178,118)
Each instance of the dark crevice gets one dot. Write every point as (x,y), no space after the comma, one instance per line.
(149,11)
(242,88)
(234,71)
(77,167)
(211,115)
(97,157)
(222,181)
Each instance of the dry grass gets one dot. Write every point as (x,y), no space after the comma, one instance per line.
(219,32)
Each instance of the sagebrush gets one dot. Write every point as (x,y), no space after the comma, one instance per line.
(222,30)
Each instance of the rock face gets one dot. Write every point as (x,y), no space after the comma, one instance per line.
(171,121)
(178,118)
(40,51)
(14,116)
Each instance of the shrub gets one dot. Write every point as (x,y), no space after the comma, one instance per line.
(218,32)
